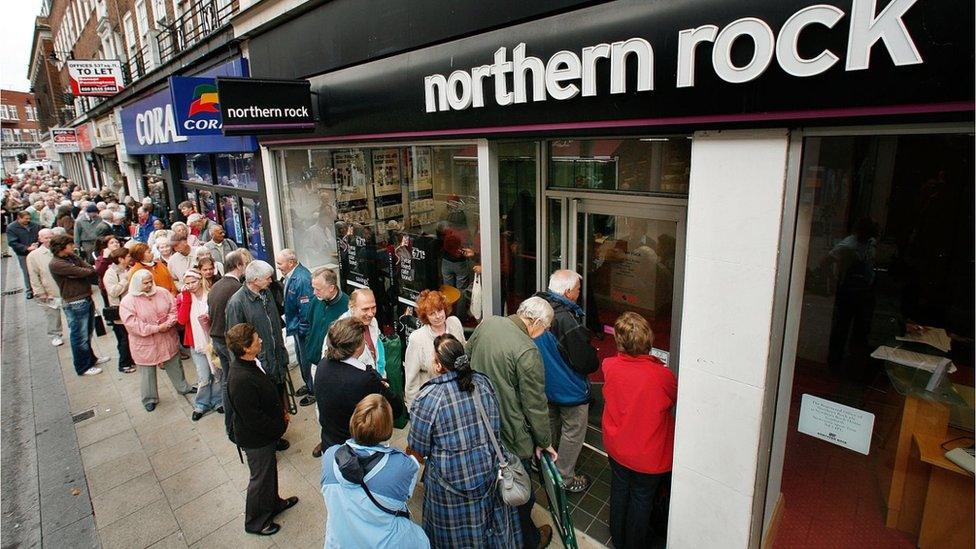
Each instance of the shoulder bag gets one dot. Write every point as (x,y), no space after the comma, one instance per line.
(514,483)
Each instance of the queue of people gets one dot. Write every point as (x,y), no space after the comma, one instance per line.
(188,292)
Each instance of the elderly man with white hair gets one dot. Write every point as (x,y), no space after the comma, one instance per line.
(219,245)
(253,304)
(46,291)
(298,300)
(569,358)
(200,226)
(503,349)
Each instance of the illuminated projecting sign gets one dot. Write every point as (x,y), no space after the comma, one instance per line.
(568,74)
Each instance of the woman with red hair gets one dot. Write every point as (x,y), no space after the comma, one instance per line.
(433,310)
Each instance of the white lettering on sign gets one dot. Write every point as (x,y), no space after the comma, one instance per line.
(157,126)
(566,75)
(268,112)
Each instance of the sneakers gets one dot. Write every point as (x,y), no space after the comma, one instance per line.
(303,391)
(307,400)
(57,341)
(577,484)
(103,360)
(93,371)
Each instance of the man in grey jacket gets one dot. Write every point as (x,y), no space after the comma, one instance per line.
(89,227)
(253,304)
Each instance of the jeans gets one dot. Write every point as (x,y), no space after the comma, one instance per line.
(122,344)
(223,353)
(209,394)
(459,275)
(632,496)
(530,532)
(304,366)
(81,324)
(174,369)
(569,429)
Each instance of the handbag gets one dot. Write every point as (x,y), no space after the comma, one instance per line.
(99,325)
(392,350)
(111,314)
(476,297)
(514,483)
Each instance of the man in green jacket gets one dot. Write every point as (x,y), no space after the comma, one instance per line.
(502,348)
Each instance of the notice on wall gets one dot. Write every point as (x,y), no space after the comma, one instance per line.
(836,423)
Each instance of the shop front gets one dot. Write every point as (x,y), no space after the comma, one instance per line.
(220,175)
(698,165)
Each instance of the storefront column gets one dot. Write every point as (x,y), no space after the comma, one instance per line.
(272,200)
(728,339)
(490,218)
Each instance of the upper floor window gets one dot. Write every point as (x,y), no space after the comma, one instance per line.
(8,134)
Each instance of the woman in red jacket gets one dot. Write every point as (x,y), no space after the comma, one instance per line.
(638,429)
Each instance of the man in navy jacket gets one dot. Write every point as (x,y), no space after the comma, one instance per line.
(298,300)
(568,358)
(22,239)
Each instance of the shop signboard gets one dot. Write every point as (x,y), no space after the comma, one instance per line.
(65,140)
(150,125)
(196,105)
(95,77)
(260,106)
(645,64)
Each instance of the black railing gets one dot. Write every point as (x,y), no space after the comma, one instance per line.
(200,21)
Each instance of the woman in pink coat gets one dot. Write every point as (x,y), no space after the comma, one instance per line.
(149,315)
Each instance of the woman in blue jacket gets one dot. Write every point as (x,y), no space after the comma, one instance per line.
(366,485)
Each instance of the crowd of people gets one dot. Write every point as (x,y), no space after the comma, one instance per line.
(186,292)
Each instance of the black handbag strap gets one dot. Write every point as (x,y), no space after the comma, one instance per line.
(366,465)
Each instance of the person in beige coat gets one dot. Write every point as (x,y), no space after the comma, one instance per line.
(45,289)
(434,311)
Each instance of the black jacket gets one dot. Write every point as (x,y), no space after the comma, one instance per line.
(217,299)
(259,417)
(338,389)
(569,327)
(20,237)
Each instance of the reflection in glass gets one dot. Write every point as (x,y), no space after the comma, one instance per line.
(255,228)
(230,212)
(647,165)
(516,201)
(309,200)
(885,226)
(198,168)
(237,170)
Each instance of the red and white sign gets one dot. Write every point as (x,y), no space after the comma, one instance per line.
(65,140)
(95,77)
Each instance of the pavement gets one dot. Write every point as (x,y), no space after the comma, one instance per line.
(85,465)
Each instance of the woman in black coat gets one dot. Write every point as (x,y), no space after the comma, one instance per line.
(345,380)
(257,425)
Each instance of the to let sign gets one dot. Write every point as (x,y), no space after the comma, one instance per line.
(256,106)
(65,140)
(95,77)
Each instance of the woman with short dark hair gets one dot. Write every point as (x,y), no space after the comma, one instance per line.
(462,507)
(366,484)
(638,429)
(345,381)
(258,424)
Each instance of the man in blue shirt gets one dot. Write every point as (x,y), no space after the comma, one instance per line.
(568,358)
(298,300)
(146,221)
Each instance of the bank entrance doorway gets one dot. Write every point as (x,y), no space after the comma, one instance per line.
(630,251)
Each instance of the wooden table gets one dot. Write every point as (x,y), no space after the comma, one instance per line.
(938,500)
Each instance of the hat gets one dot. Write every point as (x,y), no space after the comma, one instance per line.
(192,273)
(92,208)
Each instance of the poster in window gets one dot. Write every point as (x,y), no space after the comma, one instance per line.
(417,265)
(350,180)
(423,178)
(357,248)
(386,172)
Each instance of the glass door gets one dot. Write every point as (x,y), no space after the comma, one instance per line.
(631,257)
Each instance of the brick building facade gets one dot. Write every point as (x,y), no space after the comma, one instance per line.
(20,136)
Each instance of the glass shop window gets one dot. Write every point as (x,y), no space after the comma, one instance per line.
(658,165)
(883,366)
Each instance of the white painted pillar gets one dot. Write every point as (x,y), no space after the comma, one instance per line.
(735,208)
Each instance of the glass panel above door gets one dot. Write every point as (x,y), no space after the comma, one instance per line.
(659,165)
